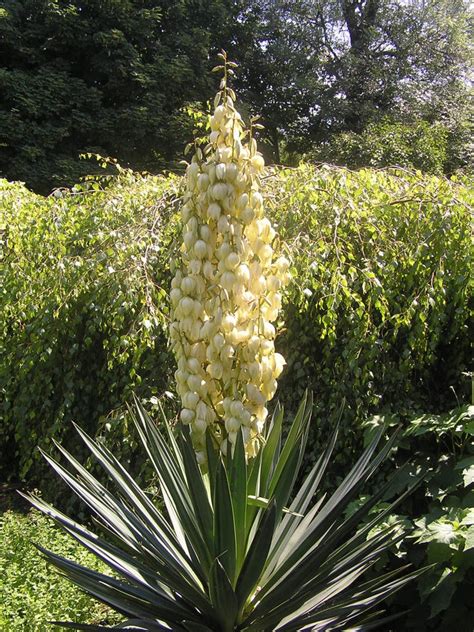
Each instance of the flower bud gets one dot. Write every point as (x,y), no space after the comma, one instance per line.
(228,280)
(186,304)
(257,162)
(237,409)
(188,285)
(200,249)
(232,261)
(203,181)
(219,191)
(247,215)
(200,426)
(220,171)
(189,238)
(187,416)
(214,211)
(223,225)
(190,400)
(175,296)
(219,113)
(232,424)
(231,172)
(215,370)
(194,366)
(228,322)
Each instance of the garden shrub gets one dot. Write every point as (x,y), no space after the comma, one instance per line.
(82,318)
(30,593)
(388,143)
(378,318)
(440,515)
(376,314)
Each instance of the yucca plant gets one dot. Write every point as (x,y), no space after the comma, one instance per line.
(230,552)
(236,547)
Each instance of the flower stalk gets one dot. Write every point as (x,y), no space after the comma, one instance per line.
(226,292)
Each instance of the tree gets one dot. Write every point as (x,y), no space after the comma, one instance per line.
(321,67)
(92,76)
(278,55)
(113,77)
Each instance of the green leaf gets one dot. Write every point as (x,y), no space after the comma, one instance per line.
(212,461)
(469,539)
(271,449)
(125,598)
(439,552)
(468,475)
(468,519)
(223,596)
(224,529)
(238,490)
(190,626)
(467,467)
(298,426)
(438,590)
(438,531)
(170,471)
(198,491)
(257,555)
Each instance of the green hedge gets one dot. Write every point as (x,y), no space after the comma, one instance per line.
(83,308)
(376,316)
(386,143)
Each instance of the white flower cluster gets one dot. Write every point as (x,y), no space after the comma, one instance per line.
(226,290)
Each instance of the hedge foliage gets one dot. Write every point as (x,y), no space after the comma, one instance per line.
(378,313)
(376,316)
(82,319)
(439,517)
(420,145)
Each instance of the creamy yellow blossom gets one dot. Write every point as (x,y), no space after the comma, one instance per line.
(226,290)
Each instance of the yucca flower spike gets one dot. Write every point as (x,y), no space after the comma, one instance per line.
(226,292)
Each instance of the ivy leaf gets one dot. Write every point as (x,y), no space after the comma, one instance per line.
(467,467)
(438,553)
(468,518)
(468,475)
(437,531)
(469,541)
(442,593)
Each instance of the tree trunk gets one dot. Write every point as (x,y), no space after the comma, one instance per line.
(274,137)
(360,17)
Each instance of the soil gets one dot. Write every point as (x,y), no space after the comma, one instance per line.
(11,500)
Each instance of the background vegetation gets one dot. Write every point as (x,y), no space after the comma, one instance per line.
(30,594)
(377,313)
(121,77)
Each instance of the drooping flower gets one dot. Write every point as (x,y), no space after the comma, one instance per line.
(226,292)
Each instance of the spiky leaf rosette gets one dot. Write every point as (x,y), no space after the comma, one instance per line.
(228,554)
(225,294)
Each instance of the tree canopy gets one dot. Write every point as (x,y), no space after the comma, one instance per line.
(116,77)
(318,68)
(109,77)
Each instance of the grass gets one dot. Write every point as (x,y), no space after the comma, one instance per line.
(31,592)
